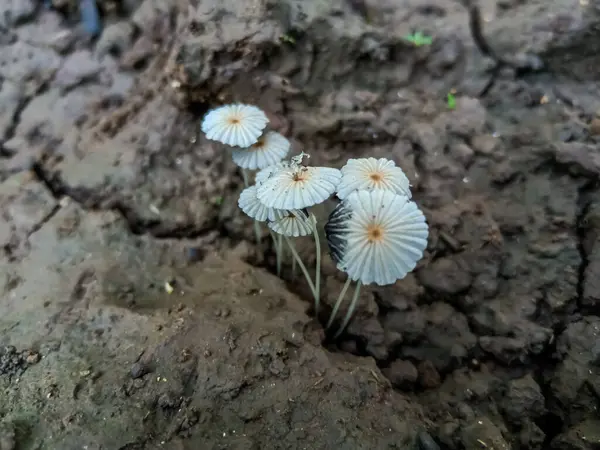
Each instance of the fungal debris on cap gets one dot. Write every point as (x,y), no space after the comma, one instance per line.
(294,186)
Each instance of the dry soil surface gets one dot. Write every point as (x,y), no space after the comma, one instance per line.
(136,311)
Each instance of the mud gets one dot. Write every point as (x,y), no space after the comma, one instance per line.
(137,311)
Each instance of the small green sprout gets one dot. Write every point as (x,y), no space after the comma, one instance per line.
(217,201)
(451,100)
(418,39)
(287,38)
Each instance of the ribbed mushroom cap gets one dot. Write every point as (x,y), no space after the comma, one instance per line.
(372,173)
(296,187)
(252,207)
(270,149)
(376,236)
(292,223)
(237,125)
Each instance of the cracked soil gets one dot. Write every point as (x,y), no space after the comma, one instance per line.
(136,311)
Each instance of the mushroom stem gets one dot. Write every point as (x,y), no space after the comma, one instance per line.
(338,303)
(318,264)
(257,232)
(279,252)
(300,263)
(350,310)
(256,224)
(277,241)
(245,177)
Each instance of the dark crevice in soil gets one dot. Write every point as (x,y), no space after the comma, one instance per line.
(5,153)
(197,109)
(550,423)
(16,118)
(583,205)
(521,64)
(90,200)
(45,220)
(584,201)
(134,446)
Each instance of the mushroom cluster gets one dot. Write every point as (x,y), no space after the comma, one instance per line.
(376,234)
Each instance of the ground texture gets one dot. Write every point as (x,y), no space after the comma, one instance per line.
(136,311)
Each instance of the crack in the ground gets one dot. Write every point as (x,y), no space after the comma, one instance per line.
(584,202)
(521,64)
(16,118)
(90,200)
(550,423)
(44,220)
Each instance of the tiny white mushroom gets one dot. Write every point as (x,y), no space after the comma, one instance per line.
(237,125)
(252,207)
(375,236)
(292,224)
(294,186)
(270,148)
(372,173)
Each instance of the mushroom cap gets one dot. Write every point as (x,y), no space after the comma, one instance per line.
(298,187)
(293,223)
(266,173)
(372,173)
(270,149)
(237,125)
(376,236)
(252,207)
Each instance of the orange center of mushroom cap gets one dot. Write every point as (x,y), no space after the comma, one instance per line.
(374,233)
(234,120)
(259,144)
(376,177)
(301,175)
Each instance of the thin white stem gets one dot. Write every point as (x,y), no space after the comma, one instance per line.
(293,269)
(350,310)
(279,253)
(245,177)
(278,245)
(256,224)
(300,264)
(313,219)
(257,231)
(338,303)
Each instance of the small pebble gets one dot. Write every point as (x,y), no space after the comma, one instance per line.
(32,358)
(138,370)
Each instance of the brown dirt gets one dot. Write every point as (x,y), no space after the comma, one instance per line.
(136,311)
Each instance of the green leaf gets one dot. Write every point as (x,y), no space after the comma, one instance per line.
(287,38)
(418,39)
(451,101)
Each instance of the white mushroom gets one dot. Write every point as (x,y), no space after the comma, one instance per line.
(372,173)
(270,149)
(375,236)
(237,125)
